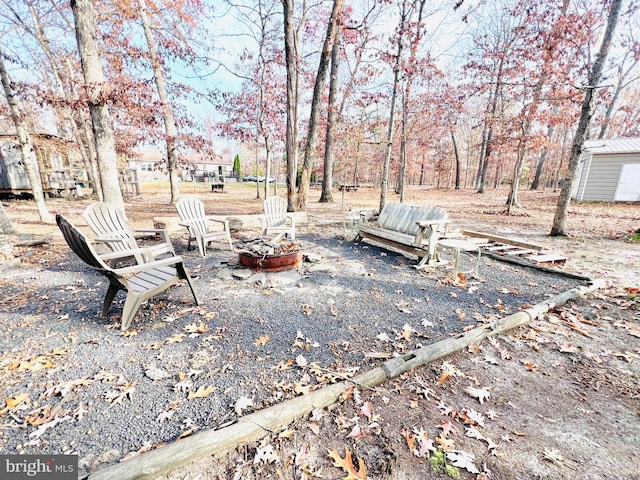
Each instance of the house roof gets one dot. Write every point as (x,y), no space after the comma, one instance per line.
(612,145)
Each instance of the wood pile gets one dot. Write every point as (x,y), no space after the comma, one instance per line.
(266,247)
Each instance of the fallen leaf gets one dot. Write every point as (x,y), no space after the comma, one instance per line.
(45,426)
(482,394)
(177,338)
(261,340)
(553,455)
(461,459)
(14,401)
(356,432)
(444,378)
(243,403)
(165,415)
(366,410)
(347,394)
(193,328)
(447,428)
(288,433)
(283,365)
(201,392)
(314,427)
(346,464)
(265,453)
(444,442)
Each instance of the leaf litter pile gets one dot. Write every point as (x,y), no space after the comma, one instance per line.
(73,383)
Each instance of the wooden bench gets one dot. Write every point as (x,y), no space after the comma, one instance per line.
(412,229)
(348,188)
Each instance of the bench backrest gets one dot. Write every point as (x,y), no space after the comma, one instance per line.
(402,217)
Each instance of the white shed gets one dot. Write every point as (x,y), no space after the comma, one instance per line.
(609,171)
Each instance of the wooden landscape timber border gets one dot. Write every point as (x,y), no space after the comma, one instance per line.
(215,443)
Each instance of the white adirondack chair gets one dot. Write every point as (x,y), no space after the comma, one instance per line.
(200,225)
(276,219)
(110,227)
(141,281)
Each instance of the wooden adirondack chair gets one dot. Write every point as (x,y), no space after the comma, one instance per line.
(110,226)
(141,281)
(194,219)
(276,219)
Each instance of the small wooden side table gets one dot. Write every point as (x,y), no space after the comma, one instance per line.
(460,245)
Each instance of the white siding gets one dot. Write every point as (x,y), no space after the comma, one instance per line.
(603,175)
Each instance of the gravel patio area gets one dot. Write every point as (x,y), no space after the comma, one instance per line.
(87,388)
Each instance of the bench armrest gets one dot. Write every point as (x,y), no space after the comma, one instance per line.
(431,223)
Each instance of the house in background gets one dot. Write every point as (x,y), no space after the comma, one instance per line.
(152,165)
(61,170)
(609,171)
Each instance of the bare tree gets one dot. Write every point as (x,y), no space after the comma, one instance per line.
(559,221)
(167,113)
(97,90)
(26,146)
(291,61)
(312,132)
(329,156)
(394,94)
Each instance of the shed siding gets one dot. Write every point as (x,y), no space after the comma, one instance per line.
(585,166)
(603,175)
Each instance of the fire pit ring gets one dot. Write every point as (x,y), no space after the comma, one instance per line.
(271,263)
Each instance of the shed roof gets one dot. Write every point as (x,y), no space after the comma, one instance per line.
(612,145)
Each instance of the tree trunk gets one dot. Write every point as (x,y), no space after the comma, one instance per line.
(327,180)
(403,147)
(291,60)
(550,46)
(26,146)
(97,89)
(394,94)
(88,140)
(485,162)
(75,120)
(457,157)
(541,160)
(316,103)
(559,222)
(167,114)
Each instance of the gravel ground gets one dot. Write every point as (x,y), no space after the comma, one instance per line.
(94,391)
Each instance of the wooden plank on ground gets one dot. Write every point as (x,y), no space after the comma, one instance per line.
(547,258)
(520,251)
(496,238)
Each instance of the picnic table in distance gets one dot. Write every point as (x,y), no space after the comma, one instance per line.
(217,184)
(348,187)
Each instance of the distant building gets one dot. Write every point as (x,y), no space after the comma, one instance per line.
(609,171)
(152,164)
(60,166)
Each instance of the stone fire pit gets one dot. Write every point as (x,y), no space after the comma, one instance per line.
(269,255)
